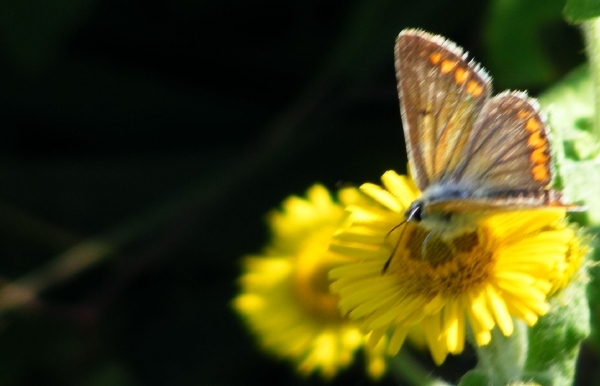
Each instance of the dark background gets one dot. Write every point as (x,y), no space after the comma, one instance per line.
(167,130)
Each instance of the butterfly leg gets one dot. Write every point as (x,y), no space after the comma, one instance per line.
(424,244)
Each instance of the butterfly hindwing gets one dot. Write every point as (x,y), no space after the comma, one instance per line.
(508,147)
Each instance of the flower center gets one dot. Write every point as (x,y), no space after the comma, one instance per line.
(311,284)
(427,263)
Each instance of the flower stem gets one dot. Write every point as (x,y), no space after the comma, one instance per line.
(281,136)
(406,370)
(591,34)
(503,359)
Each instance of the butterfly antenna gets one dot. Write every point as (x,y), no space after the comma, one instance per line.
(389,260)
(413,213)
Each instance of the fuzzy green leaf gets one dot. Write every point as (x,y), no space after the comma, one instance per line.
(554,341)
(570,110)
(475,378)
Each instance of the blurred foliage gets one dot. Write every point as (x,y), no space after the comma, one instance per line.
(34,32)
(577,11)
(529,44)
(165,131)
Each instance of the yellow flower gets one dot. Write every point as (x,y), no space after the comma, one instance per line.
(285,298)
(476,269)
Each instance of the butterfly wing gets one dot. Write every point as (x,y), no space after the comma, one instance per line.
(508,148)
(441,95)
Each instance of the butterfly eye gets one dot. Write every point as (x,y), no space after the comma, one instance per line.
(415,212)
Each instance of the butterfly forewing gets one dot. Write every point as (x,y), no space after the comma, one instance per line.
(508,148)
(441,96)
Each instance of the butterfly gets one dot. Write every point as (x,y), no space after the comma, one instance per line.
(467,150)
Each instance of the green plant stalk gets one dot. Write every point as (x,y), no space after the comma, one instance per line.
(591,34)
(282,135)
(406,370)
(503,359)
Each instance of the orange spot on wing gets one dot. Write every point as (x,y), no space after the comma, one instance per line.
(447,66)
(474,88)
(435,58)
(540,173)
(539,155)
(532,125)
(535,140)
(461,75)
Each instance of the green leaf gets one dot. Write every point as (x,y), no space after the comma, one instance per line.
(594,290)
(577,11)
(554,341)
